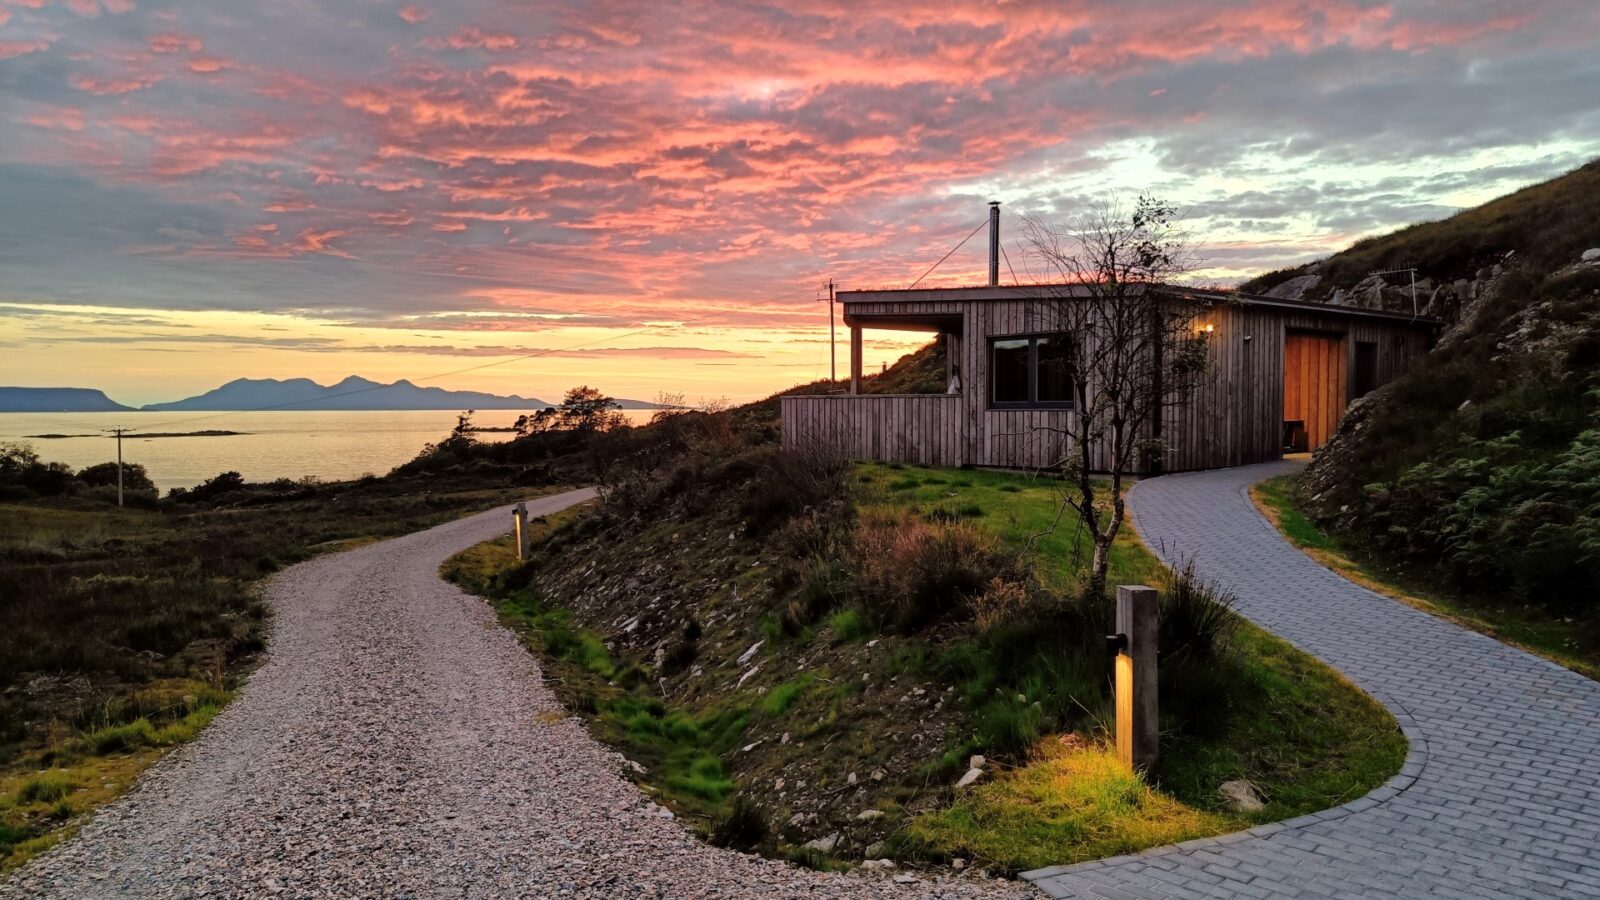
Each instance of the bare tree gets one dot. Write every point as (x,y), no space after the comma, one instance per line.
(1132,350)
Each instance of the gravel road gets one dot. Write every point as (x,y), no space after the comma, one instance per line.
(398,743)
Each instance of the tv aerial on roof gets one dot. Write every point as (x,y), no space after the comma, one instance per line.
(1404,270)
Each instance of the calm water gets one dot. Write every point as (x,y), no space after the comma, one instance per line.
(329,445)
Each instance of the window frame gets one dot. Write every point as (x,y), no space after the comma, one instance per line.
(1033,401)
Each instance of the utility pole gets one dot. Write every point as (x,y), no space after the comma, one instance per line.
(833,350)
(119,433)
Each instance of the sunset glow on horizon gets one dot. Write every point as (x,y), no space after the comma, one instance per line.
(648,197)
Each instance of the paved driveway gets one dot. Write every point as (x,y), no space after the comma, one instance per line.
(1500,796)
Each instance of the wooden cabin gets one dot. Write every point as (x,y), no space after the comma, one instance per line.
(1281,374)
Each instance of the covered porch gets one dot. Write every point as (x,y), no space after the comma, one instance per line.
(921,429)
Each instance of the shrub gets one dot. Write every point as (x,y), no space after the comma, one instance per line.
(1195,619)
(1000,603)
(135,734)
(1008,725)
(134,477)
(849,625)
(211,488)
(912,573)
(744,827)
(46,787)
(790,483)
(780,698)
(824,586)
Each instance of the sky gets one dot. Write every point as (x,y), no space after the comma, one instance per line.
(649,195)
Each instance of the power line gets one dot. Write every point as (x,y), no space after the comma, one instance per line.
(948,255)
(1008,264)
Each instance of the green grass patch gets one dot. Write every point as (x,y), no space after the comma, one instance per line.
(1067,805)
(850,625)
(1021,509)
(780,698)
(1252,708)
(46,787)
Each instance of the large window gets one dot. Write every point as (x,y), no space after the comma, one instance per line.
(1032,371)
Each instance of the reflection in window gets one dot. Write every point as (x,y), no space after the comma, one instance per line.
(1055,372)
(1009,372)
(1031,371)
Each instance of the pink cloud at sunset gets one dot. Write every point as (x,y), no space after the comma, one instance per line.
(434,167)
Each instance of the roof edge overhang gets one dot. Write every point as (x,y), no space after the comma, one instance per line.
(1062,291)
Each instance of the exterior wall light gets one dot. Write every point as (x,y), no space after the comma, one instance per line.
(1205,329)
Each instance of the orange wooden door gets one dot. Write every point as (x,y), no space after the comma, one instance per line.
(1314,383)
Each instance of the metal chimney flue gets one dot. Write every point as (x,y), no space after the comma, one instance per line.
(994,243)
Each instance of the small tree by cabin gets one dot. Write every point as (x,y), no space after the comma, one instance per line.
(1131,352)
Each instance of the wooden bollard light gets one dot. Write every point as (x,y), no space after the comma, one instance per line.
(520,516)
(1138,731)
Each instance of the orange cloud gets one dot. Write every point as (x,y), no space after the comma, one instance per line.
(206,65)
(173,42)
(105,86)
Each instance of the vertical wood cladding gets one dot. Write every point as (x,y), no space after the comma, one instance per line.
(1267,364)
(1315,382)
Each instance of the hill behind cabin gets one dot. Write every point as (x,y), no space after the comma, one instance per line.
(1480,468)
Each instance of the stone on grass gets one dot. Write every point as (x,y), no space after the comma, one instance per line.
(970,778)
(823,844)
(868,815)
(1242,796)
(751,653)
(1591,254)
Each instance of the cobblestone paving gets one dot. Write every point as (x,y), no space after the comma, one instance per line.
(1500,796)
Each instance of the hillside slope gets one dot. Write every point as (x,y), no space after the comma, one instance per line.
(1537,229)
(1480,469)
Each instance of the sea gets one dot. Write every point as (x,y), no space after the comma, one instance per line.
(328,445)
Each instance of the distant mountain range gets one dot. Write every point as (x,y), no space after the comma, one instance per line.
(41,400)
(353,393)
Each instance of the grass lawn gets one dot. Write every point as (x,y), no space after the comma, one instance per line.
(1305,737)
(1268,714)
(1558,639)
(1022,510)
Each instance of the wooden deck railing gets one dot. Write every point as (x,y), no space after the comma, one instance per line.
(923,429)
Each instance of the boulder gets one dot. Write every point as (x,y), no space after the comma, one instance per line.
(1590,255)
(750,654)
(1294,288)
(1242,796)
(823,844)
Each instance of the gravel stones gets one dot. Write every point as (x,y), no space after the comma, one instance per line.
(398,742)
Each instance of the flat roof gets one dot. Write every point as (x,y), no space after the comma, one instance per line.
(986,293)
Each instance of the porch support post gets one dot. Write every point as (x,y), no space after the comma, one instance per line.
(855,359)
